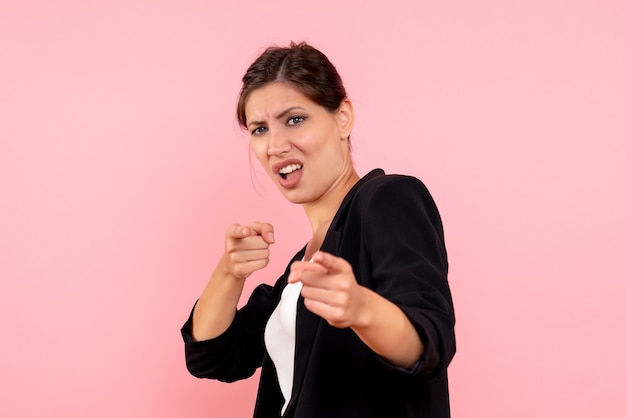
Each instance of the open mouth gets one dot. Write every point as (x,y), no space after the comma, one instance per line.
(285,171)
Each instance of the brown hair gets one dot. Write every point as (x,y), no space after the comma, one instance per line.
(300,66)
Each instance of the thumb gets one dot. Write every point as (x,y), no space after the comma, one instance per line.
(237,231)
(266,230)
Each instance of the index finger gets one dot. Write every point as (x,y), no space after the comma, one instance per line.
(332,263)
(299,267)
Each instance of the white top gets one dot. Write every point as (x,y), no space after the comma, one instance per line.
(280,338)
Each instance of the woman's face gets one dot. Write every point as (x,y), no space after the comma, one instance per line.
(303,147)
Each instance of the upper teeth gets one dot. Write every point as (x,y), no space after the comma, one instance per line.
(290,168)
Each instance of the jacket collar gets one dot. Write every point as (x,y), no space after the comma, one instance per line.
(341,212)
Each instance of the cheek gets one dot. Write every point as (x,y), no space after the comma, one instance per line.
(258,149)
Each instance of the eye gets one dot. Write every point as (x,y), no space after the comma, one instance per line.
(258,131)
(295,120)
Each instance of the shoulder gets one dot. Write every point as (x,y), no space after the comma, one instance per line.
(395,198)
(384,199)
(391,187)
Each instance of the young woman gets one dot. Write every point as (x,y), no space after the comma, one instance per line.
(361,324)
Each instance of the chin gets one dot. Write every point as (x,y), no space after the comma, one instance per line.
(294,197)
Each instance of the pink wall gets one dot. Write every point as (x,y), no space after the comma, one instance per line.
(121,165)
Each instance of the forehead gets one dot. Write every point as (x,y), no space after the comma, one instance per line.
(274,98)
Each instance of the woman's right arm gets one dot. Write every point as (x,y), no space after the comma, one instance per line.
(246,251)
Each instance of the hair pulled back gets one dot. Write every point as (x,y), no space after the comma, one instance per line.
(300,66)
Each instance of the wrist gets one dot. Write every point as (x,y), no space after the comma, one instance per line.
(367,309)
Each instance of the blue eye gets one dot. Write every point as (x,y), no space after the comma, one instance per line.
(258,131)
(295,120)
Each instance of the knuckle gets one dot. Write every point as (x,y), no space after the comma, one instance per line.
(343,286)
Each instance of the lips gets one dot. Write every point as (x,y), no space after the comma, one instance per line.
(289,172)
(289,169)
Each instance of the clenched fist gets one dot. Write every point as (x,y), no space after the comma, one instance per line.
(247,248)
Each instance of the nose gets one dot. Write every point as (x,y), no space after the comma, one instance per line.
(278,143)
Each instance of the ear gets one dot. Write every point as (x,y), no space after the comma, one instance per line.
(345,118)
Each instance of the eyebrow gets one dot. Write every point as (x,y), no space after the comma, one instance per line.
(279,116)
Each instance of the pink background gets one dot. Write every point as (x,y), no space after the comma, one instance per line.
(121,166)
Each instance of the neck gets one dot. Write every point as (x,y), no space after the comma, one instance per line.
(322,211)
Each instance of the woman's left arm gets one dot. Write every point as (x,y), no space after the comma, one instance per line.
(400,303)
(331,291)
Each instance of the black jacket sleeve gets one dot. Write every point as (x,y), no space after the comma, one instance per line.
(404,244)
(240,350)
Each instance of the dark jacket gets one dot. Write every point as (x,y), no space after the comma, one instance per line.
(389,229)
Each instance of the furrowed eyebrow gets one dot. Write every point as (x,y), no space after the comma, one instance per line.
(284,112)
(253,123)
(279,116)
